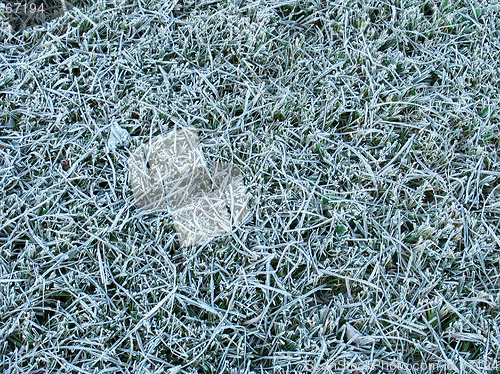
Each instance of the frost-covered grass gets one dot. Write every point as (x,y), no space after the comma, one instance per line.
(368,135)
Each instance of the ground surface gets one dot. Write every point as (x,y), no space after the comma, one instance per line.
(368,135)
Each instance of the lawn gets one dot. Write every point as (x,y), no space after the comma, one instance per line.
(367,133)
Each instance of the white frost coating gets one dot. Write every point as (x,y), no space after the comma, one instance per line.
(117,136)
(170,172)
